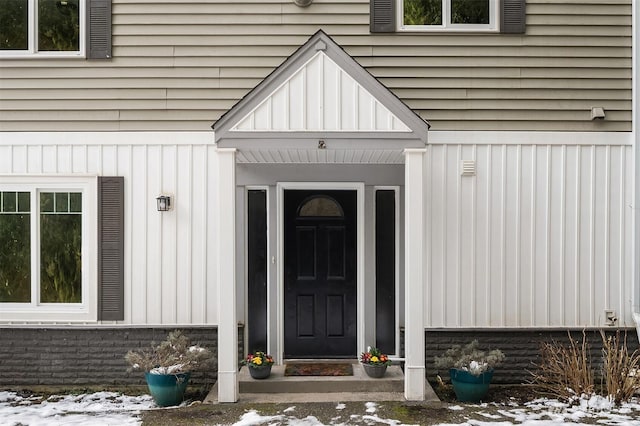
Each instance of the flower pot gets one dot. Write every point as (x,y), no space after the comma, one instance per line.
(470,388)
(167,389)
(261,372)
(375,371)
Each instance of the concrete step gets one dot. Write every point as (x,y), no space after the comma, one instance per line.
(392,382)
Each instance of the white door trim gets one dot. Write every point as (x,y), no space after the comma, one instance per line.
(359,188)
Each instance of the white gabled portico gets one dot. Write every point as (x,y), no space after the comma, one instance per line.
(321,107)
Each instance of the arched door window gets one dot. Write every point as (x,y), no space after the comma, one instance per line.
(320,206)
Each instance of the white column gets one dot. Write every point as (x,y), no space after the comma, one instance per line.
(227,321)
(414,254)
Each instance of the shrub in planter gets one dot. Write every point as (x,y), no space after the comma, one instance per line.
(374,362)
(259,364)
(470,369)
(168,366)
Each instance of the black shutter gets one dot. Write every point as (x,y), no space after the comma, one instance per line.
(513,16)
(98,29)
(110,248)
(382,16)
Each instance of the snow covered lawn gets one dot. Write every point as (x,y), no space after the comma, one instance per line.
(100,408)
(540,412)
(543,411)
(109,408)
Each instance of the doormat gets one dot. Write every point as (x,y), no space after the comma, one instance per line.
(318,369)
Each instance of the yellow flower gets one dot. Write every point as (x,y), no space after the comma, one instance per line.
(257,361)
(374,359)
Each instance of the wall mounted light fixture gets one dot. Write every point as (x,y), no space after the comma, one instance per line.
(164,203)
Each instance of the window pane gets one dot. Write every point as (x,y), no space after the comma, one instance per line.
(60,257)
(423,12)
(58,25)
(469,11)
(14,26)
(62,202)
(9,202)
(24,202)
(15,254)
(46,202)
(320,206)
(75,202)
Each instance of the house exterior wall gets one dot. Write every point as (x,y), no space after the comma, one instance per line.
(180,65)
(541,236)
(170,257)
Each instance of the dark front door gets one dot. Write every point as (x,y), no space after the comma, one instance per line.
(320,273)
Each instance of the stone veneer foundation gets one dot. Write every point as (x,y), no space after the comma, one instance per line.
(95,356)
(521,347)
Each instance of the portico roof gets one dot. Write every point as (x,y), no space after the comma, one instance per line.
(320,106)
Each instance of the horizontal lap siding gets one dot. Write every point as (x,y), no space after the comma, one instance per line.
(181,65)
(170,257)
(540,237)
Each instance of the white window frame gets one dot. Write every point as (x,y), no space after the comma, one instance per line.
(32,48)
(447,26)
(86,310)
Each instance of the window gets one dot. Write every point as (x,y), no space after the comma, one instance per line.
(320,206)
(60,251)
(44,27)
(47,232)
(387,16)
(460,15)
(55,28)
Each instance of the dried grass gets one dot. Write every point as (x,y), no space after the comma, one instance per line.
(621,370)
(564,371)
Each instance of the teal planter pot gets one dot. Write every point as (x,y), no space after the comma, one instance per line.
(167,389)
(470,388)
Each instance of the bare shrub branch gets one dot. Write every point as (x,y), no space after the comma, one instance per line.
(621,371)
(564,371)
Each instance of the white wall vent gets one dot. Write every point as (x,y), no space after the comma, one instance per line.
(467,168)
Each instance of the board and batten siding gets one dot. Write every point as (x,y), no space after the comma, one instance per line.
(170,257)
(540,237)
(179,65)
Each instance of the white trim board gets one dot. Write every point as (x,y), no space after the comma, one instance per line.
(206,138)
(529,138)
(360,315)
(635,197)
(106,138)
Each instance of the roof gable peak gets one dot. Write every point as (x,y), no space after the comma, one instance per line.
(319,88)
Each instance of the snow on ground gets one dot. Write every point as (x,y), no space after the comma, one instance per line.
(540,412)
(100,408)
(108,408)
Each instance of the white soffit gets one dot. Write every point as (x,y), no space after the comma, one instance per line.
(320,156)
(320,96)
